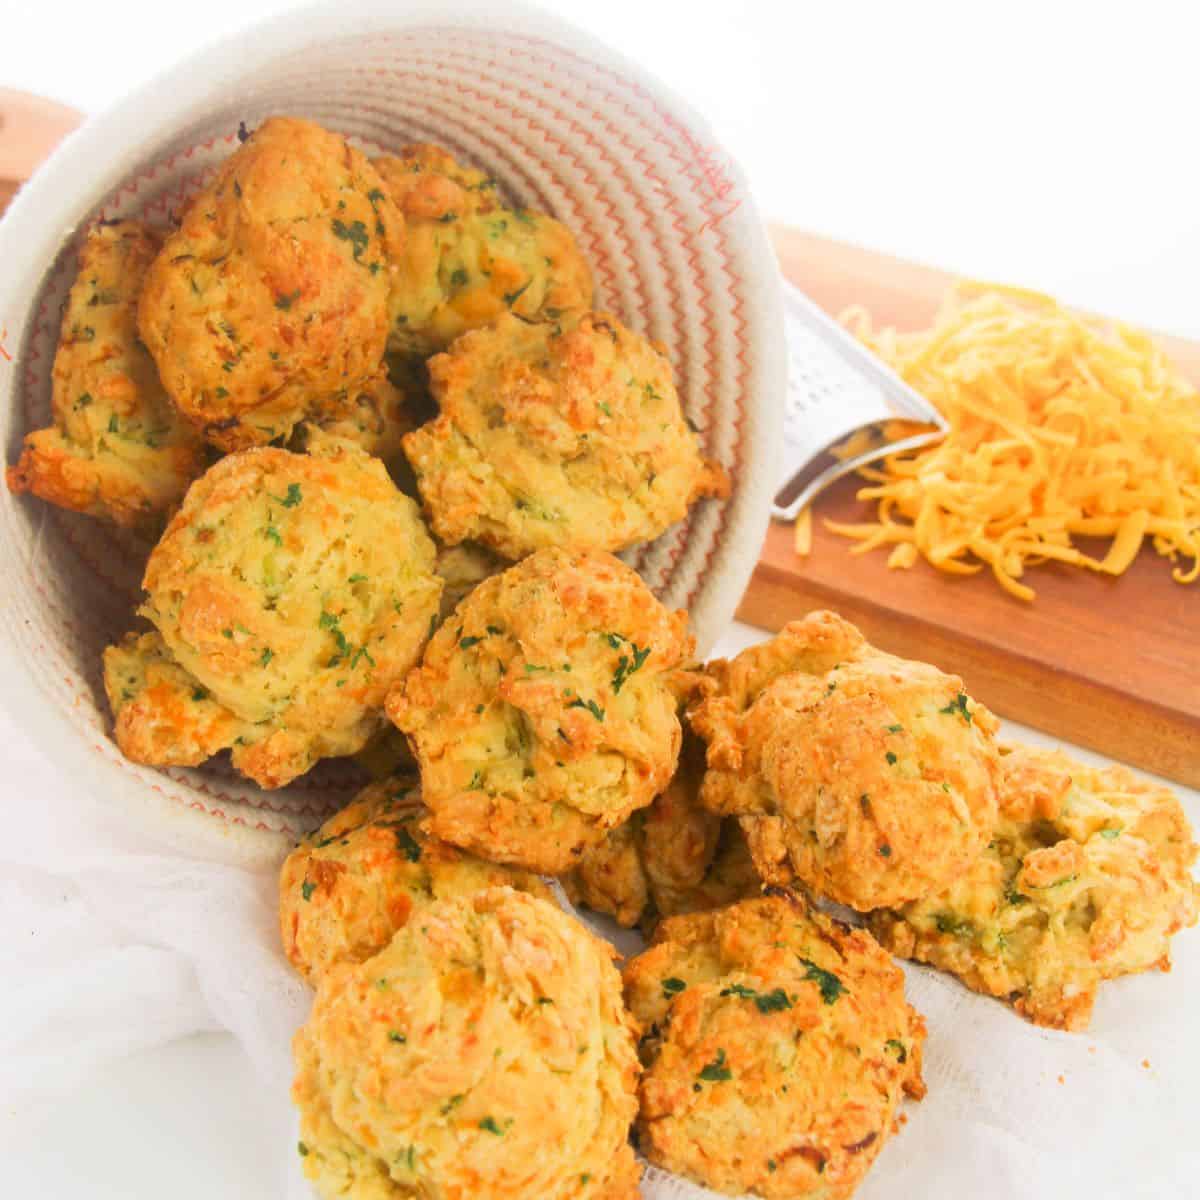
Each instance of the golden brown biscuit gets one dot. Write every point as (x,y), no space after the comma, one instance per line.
(486,1052)
(870,778)
(347,888)
(163,715)
(776,1044)
(660,858)
(731,876)
(568,434)
(117,448)
(544,710)
(376,416)
(467,259)
(1086,877)
(294,589)
(270,302)
(463,568)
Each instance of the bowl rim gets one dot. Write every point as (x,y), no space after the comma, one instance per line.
(97,157)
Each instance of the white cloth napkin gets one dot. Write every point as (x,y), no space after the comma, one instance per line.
(116,944)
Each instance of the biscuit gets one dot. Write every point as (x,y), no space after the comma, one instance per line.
(463,568)
(659,862)
(467,259)
(117,448)
(376,417)
(869,778)
(544,711)
(270,302)
(776,1045)
(567,434)
(731,876)
(1086,878)
(485,1052)
(162,714)
(347,888)
(294,590)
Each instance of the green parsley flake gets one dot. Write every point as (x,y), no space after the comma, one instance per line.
(672,987)
(590,705)
(408,845)
(627,667)
(355,233)
(307,889)
(489,1123)
(831,986)
(766,1002)
(716,1071)
(510,298)
(393,1036)
(897,1048)
(958,705)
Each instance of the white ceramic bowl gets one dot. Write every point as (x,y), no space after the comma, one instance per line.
(663,215)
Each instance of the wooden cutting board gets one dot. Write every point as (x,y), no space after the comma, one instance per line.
(1111,664)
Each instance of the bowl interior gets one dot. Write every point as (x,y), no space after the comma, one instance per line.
(677,253)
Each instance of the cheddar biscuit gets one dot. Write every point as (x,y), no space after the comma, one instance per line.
(776,1045)
(162,714)
(376,416)
(485,1052)
(467,259)
(544,711)
(869,778)
(294,590)
(270,301)
(567,434)
(117,448)
(347,888)
(673,856)
(1087,877)
(463,568)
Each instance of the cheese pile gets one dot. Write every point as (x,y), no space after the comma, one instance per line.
(1060,427)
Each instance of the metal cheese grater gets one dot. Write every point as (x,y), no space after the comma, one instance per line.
(836,386)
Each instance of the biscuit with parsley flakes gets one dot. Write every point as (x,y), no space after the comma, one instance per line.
(567,434)
(544,711)
(1086,878)
(294,590)
(117,449)
(467,259)
(365,873)
(486,1053)
(664,859)
(161,713)
(270,302)
(376,417)
(776,1046)
(869,778)
(463,568)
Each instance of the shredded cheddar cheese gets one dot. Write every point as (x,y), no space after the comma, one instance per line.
(1060,427)
(804,532)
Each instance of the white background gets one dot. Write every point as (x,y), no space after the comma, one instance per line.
(1052,144)
(1049,144)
